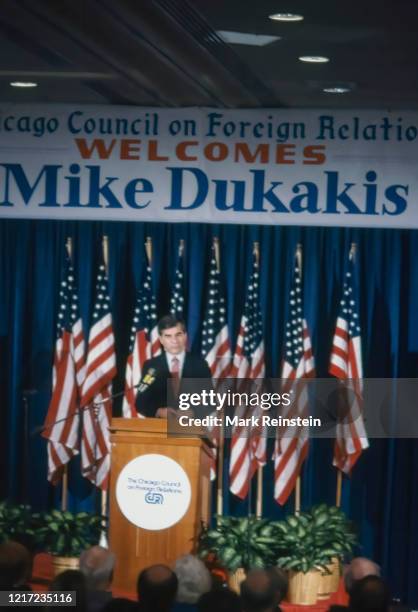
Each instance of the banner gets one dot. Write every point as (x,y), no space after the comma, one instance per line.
(264,166)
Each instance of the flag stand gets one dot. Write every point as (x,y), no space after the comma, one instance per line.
(339,488)
(297,495)
(298,479)
(259,499)
(103,536)
(148,249)
(64,490)
(221,445)
(219,492)
(259,503)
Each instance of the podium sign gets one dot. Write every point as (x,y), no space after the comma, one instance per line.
(160,494)
(153,492)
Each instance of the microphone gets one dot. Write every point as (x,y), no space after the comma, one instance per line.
(147,380)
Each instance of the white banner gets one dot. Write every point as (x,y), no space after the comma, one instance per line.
(284,167)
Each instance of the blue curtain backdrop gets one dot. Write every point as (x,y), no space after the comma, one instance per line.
(382,495)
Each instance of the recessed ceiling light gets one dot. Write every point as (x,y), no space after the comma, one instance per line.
(246,38)
(314,59)
(286,17)
(336,90)
(23,84)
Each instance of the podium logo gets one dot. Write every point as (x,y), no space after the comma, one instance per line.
(153,492)
(154,498)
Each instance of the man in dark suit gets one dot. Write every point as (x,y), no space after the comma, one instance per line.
(172,372)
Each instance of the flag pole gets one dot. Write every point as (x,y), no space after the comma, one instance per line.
(148,249)
(221,445)
(298,479)
(64,490)
(339,488)
(259,497)
(105,247)
(338,494)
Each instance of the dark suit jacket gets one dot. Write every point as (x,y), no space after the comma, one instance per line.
(160,393)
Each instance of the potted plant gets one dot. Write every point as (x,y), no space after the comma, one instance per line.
(240,544)
(17,522)
(65,535)
(334,533)
(313,544)
(302,557)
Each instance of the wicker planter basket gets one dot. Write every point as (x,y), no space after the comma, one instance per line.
(328,583)
(303,588)
(60,564)
(235,580)
(336,574)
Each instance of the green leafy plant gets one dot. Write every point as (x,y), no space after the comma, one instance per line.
(307,541)
(66,534)
(241,542)
(312,539)
(334,533)
(17,522)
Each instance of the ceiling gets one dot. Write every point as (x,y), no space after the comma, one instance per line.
(168,53)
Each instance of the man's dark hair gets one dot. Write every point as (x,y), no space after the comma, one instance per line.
(258,591)
(219,600)
(72,580)
(156,588)
(280,582)
(170,321)
(370,594)
(120,604)
(15,565)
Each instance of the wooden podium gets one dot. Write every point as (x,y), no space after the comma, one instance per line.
(134,547)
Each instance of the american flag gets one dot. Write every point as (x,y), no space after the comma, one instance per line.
(292,442)
(97,388)
(346,364)
(177,295)
(215,338)
(248,447)
(62,419)
(144,342)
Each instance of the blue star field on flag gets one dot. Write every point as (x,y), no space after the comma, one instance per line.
(294,325)
(145,312)
(215,313)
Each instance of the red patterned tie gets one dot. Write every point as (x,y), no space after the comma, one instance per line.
(175,375)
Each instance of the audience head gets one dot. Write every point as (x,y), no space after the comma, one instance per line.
(369,594)
(71,580)
(97,563)
(219,600)
(258,593)
(359,568)
(15,565)
(157,588)
(193,577)
(118,604)
(280,582)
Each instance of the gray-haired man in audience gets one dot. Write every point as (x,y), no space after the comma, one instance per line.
(194,579)
(97,563)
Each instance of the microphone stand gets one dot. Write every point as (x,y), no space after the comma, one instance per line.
(80,410)
(95,406)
